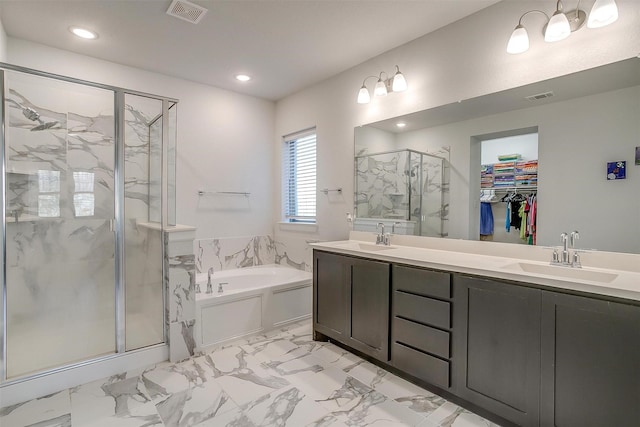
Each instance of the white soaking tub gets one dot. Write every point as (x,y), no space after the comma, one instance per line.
(253,299)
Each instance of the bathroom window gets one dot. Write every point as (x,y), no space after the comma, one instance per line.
(83,197)
(49,194)
(299,177)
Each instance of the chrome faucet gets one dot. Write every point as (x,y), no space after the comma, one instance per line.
(209,284)
(220,290)
(382,238)
(393,226)
(565,252)
(566,258)
(198,288)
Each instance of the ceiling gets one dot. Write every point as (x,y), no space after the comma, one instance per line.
(285,45)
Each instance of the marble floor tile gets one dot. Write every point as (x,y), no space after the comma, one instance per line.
(407,394)
(285,407)
(116,400)
(50,411)
(279,378)
(452,415)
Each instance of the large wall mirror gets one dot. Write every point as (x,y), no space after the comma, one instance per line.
(424,178)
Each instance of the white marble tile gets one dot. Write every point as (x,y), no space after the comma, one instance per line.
(452,415)
(333,356)
(118,400)
(285,407)
(233,418)
(194,405)
(52,410)
(374,409)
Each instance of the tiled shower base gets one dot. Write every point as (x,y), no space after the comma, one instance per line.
(282,378)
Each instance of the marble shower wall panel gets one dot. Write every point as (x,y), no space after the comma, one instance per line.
(60,251)
(432,197)
(144,289)
(382,186)
(143,246)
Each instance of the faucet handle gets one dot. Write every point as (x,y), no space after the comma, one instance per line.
(555,257)
(563,237)
(575,261)
(574,236)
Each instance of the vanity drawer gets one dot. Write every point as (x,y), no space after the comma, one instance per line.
(420,365)
(421,282)
(422,337)
(422,309)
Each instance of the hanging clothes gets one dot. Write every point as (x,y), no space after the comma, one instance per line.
(486,219)
(523,221)
(507,219)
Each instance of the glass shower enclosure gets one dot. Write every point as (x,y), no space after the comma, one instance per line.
(405,188)
(86,195)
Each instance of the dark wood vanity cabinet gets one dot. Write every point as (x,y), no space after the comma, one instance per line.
(351,302)
(498,347)
(421,324)
(531,357)
(590,362)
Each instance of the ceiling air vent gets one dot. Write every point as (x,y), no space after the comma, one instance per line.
(539,96)
(186,11)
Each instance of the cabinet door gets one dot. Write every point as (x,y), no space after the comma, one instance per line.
(330,288)
(497,350)
(369,308)
(590,362)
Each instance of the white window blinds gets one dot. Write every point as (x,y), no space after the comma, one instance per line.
(299,177)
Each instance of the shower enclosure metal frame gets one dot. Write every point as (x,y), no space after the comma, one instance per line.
(119,213)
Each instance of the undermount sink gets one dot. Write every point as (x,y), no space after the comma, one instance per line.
(366,247)
(561,271)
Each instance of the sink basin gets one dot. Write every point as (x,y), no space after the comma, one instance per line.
(366,247)
(565,272)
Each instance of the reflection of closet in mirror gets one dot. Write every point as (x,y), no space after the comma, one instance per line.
(508,189)
(403,189)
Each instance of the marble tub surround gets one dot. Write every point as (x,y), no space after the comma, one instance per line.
(282,378)
(240,252)
(497,260)
(180,282)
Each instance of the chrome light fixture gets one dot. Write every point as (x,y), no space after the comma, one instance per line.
(560,25)
(383,86)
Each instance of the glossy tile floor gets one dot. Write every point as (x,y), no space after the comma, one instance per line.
(282,378)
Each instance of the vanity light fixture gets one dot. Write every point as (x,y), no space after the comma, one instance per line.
(395,84)
(560,25)
(84,33)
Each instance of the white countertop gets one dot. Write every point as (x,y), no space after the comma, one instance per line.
(610,282)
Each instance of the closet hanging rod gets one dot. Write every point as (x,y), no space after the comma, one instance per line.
(336,190)
(223,193)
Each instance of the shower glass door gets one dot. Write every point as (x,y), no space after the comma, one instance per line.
(59,210)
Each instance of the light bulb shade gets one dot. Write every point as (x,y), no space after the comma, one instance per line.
(399,83)
(558,28)
(380,89)
(363,95)
(519,41)
(603,12)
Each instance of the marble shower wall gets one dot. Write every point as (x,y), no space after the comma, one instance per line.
(240,252)
(60,152)
(60,202)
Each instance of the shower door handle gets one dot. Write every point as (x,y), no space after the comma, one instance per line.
(112,226)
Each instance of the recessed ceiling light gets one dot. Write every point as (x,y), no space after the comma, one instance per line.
(243,77)
(84,33)
(401,125)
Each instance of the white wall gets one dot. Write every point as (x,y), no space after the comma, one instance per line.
(223,139)
(526,145)
(460,61)
(3,43)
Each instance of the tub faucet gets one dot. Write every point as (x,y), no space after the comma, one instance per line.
(220,290)
(209,284)
(198,288)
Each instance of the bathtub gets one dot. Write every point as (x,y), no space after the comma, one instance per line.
(254,299)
